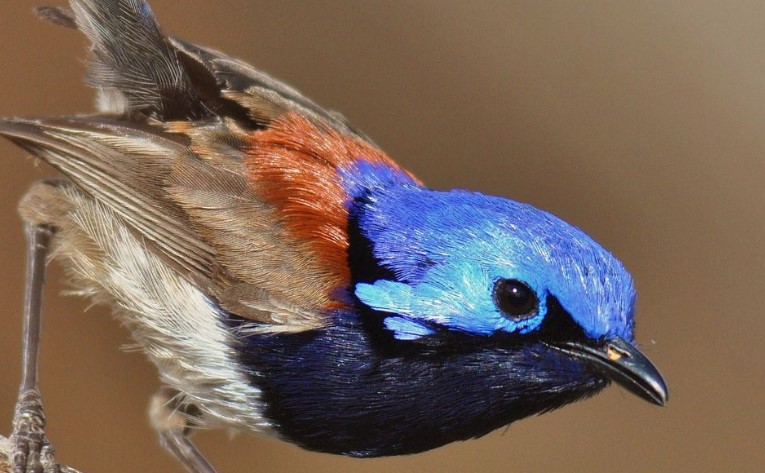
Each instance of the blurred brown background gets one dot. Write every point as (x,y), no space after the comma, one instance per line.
(642,122)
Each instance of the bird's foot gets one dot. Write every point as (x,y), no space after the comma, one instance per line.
(31,452)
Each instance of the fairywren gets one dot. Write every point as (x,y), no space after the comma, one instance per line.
(287,277)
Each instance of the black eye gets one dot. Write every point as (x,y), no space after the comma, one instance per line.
(515,298)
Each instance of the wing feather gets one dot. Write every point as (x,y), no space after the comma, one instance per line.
(231,176)
(109,161)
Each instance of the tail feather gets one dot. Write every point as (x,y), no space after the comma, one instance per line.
(139,70)
(134,67)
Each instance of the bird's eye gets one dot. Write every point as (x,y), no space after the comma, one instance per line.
(515,298)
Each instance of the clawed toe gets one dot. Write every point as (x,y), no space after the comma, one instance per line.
(31,452)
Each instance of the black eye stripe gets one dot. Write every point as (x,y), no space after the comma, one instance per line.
(515,299)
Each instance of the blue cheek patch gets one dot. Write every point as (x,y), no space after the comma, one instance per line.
(405,329)
(462,302)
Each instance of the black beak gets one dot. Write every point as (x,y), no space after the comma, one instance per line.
(622,362)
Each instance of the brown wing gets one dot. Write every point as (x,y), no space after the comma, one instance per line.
(198,213)
(227,174)
(124,167)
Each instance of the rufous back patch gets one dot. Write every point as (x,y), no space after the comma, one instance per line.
(293,165)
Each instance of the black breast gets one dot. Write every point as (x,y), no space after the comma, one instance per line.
(351,389)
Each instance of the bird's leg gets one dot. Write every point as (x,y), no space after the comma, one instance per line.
(31,452)
(173,420)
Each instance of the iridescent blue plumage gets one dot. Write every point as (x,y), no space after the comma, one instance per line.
(447,250)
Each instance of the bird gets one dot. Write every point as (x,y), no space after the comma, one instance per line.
(287,277)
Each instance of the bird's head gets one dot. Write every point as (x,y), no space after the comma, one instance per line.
(463,262)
